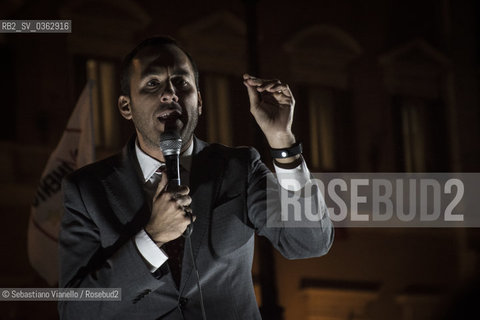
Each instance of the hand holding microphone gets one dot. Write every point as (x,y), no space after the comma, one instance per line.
(171,213)
(169,220)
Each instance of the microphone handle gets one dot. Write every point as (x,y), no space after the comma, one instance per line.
(173,170)
(173,173)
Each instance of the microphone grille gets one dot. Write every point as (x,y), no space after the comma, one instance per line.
(170,143)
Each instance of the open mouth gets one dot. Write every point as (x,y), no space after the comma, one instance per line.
(169,115)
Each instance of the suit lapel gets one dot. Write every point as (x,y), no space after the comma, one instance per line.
(205,180)
(126,197)
(124,190)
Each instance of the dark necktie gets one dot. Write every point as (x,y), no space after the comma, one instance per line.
(174,250)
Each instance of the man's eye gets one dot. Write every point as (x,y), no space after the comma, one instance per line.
(152,83)
(181,83)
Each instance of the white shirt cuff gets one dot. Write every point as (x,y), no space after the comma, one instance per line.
(293,179)
(151,253)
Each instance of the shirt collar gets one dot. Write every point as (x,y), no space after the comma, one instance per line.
(149,164)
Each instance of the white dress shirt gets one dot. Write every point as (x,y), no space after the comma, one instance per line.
(153,255)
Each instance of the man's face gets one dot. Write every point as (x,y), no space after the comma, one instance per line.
(162,92)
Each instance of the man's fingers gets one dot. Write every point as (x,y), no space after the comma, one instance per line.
(183,201)
(176,192)
(248,77)
(279,88)
(274,86)
(188,213)
(251,89)
(252,81)
(267,85)
(260,84)
(182,190)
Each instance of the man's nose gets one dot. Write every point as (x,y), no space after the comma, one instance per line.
(168,94)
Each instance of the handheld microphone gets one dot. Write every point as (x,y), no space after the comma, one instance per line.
(171,143)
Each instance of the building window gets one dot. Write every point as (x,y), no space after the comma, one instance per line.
(217,112)
(320,107)
(105,113)
(331,129)
(422,140)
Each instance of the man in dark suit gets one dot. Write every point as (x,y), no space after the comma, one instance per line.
(122,227)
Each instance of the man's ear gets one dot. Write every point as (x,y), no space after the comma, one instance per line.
(124,105)
(200,103)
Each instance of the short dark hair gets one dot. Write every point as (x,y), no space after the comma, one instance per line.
(149,42)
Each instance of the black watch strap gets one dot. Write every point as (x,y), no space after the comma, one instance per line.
(288,152)
(290,165)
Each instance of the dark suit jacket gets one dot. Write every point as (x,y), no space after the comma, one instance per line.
(105,207)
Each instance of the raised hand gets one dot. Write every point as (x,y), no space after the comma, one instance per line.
(272,105)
